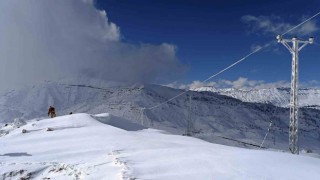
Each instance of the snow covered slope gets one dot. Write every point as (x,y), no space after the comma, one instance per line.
(83,146)
(276,96)
(217,118)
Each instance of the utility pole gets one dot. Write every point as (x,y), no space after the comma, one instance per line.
(293,124)
(189,123)
(142,118)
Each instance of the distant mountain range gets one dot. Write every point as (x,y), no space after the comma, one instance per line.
(216,117)
(276,96)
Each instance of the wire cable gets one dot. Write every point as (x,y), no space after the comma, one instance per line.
(216,74)
(303,22)
(274,113)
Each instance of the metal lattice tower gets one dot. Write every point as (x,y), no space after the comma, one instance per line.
(293,124)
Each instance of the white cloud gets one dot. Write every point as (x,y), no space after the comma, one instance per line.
(49,40)
(240,83)
(193,85)
(310,84)
(276,25)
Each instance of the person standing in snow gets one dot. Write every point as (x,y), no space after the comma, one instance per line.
(52,112)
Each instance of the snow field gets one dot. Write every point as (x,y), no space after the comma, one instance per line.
(83,146)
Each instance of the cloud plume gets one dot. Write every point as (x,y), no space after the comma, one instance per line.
(49,40)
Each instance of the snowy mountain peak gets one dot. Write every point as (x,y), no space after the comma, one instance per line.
(277,96)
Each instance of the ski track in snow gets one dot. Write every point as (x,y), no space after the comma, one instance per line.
(52,168)
(71,170)
(121,163)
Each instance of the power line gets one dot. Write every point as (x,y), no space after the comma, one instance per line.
(266,134)
(301,23)
(237,62)
(216,74)
(273,116)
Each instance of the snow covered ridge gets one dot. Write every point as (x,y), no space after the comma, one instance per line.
(276,96)
(216,118)
(83,146)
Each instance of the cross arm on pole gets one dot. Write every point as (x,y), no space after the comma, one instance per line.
(285,43)
(304,45)
(310,41)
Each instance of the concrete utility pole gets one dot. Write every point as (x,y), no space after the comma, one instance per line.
(293,124)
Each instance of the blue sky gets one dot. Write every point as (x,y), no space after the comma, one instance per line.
(210,35)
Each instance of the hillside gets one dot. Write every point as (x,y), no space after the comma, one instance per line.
(83,146)
(276,96)
(216,118)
